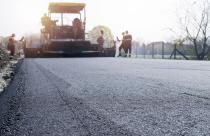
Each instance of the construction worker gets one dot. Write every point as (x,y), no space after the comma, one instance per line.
(77,29)
(100,39)
(11,44)
(128,43)
(47,23)
(122,46)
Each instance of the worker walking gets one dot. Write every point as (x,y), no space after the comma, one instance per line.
(11,45)
(122,46)
(128,43)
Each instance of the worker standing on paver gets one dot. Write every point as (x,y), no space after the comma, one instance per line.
(128,43)
(101,40)
(122,46)
(47,23)
(11,44)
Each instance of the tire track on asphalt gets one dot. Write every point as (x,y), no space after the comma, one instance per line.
(197,96)
(42,110)
(63,99)
(59,95)
(95,124)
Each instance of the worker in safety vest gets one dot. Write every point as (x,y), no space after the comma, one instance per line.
(128,43)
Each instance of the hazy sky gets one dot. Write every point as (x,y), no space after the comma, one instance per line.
(147,20)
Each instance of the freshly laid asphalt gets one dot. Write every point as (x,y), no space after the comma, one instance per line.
(107,97)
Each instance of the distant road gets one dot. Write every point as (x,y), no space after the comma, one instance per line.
(107,97)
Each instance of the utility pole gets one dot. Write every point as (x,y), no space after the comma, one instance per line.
(153,50)
(162,50)
(137,49)
(144,50)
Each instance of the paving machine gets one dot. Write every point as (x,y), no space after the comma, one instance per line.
(63,32)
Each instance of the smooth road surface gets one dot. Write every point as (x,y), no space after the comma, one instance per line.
(107,97)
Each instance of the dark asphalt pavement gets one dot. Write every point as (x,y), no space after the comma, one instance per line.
(107,97)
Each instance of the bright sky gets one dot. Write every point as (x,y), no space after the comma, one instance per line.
(146,20)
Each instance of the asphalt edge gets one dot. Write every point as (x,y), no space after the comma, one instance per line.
(14,68)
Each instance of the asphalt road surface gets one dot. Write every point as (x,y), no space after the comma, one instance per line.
(107,97)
